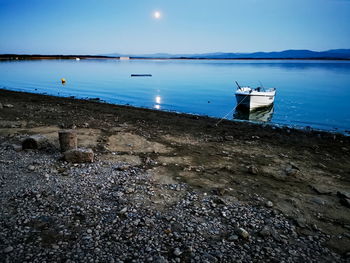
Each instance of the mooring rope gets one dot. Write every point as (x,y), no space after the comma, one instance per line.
(231,111)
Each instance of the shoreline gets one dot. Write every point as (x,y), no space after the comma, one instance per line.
(299,176)
(11,57)
(192,121)
(305,128)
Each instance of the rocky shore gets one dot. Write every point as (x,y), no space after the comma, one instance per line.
(165,187)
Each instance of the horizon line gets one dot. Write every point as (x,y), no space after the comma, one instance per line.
(167,53)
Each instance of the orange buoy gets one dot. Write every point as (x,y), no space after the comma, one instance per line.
(63,80)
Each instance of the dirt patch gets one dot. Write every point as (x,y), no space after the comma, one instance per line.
(162,175)
(130,159)
(185,139)
(88,137)
(202,180)
(126,142)
(183,160)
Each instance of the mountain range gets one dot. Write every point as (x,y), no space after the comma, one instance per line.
(286,54)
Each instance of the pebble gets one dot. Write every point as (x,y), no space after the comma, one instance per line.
(322,190)
(177,252)
(291,171)
(253,170)
(17,147)
(129,190)
(269,204)
(243,233)
(266,231)
(8,105)
(31,167)
(229,138)
(123,211)
(8,249)
(232,238)
(190,229)
(319,201)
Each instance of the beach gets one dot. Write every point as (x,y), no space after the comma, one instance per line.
(168,187)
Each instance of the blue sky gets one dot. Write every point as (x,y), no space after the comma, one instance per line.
(186,26)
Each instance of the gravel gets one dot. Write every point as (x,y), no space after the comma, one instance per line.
(54,211)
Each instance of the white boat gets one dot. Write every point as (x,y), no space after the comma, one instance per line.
(254,98)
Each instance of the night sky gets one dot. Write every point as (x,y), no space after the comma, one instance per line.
(173,26)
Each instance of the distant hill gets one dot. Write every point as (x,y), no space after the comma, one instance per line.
(286,54)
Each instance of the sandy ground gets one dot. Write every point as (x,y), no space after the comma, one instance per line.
(305,174)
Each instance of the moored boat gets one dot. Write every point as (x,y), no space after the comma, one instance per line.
(253,98)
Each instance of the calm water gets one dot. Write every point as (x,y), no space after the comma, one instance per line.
(309,93)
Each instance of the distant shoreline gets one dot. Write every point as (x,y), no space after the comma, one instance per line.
(48,57)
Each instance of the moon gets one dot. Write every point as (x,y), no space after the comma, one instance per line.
(157,14)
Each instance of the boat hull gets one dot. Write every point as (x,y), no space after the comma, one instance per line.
(255,100)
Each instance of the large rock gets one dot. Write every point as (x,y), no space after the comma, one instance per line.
(35,142)
(80,155)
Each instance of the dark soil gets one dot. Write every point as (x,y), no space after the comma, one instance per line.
(305,173)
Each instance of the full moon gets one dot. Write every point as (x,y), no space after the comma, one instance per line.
(157,14)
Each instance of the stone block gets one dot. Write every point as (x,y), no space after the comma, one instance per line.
(79,155)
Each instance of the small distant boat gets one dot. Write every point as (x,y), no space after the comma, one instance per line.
(254,98)
(77,59)
(141,75)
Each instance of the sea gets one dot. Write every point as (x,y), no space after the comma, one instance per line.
(310,93)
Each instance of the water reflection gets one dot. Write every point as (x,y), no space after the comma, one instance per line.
(261,115)
(158,100)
